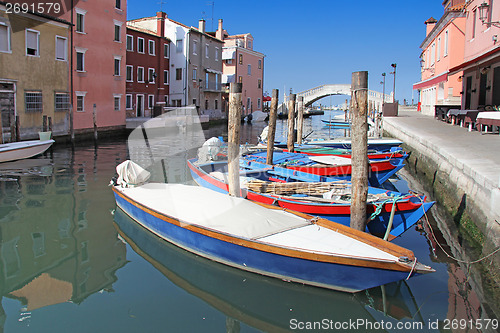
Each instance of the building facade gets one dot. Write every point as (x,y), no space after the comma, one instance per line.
(34,74)
(481,63)
(98,51)
(244,65)
(147,72)
(195,64)
(442,49)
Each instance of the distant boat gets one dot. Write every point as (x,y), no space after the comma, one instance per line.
(23,149)
(310,197)
(395,152)
(382,144)
(265,239)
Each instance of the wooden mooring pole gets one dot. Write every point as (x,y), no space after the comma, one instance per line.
(300,118)
(271,133)
(233,139)
(359,146)
(291,123)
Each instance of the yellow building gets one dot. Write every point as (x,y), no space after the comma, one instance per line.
(34,74)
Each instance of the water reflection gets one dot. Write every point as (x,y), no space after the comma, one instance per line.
(54,246)
(264,303)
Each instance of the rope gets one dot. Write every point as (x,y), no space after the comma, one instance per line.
(412,268)
(450,256)
(379,206)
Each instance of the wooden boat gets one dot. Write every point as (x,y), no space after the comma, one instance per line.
(382,144)
(266,239)
(309,197)
(327,165)
(235,292)
(336,123)
(395,152)
(23,149)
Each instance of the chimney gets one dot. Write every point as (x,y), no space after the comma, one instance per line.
(201,26)
(160,23)
(430,23)
(220,33)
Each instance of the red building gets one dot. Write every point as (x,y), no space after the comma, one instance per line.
(147,70)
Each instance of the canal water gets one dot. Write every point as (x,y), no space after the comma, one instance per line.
(71,262)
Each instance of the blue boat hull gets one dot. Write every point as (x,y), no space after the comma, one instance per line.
(342,277)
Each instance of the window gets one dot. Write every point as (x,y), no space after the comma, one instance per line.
(117,102)
(258,103)
(260,64)
(32,42)
(130,43)
(474,18)
(166,51)
(80,59)
(151,47)
(206,51)
(178,46)
(206,104)
(151,101)
(433,54)
(4,38)
(130,75)
(61,101)
(249,70)
(259,83)
(128,102)
(61,48)
(117,65)
(151,75)
(140,45)
(165,77)
(240,79)
(216,54)
(117,32)
(140,74)
(195,47)
(118,4)
(194,74)
(33,101)
(80,20)
(207,77)
(438,54)
(216,104)
(229,61)
(80,101)
(178,73)
(445,52)
(240,59)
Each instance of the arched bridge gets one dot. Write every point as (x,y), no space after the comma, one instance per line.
(375,98)
(317,93)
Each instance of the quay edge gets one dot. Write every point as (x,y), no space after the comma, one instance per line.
(460,169)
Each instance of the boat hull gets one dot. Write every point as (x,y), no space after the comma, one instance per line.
(24,149)
(258,258)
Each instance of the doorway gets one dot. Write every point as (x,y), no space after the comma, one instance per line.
(140,106)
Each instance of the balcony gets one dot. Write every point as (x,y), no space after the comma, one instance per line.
(212,86)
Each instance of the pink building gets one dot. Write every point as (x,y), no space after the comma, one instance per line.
(98,51)
(481,62)
(244,65)
(442,49)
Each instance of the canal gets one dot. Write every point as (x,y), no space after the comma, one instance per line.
(70,262)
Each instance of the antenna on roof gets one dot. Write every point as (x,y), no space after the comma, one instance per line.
(211,3)
(161,4)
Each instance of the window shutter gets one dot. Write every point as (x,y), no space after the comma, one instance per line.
(60,49)
(4,38)
(32,40)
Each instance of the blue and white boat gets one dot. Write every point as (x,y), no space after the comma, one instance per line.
(263,239)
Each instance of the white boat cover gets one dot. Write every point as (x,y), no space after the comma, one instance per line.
(131,174)
(258,116)
(331,160)
(488,115)
(209,150)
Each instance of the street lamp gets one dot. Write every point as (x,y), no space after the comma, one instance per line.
(383,89)
(484,9)
(394,89)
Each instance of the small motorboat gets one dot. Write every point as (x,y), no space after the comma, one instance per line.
(23,149)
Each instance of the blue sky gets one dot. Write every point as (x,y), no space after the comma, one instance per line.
(308,43)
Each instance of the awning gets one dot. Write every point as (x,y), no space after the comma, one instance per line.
(483,57)
(228,78)
(228,54)
(431,81)
(267,98)
(213,71)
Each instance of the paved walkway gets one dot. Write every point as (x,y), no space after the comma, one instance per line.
(471,160)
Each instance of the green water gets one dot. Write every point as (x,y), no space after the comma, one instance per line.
(68,264)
